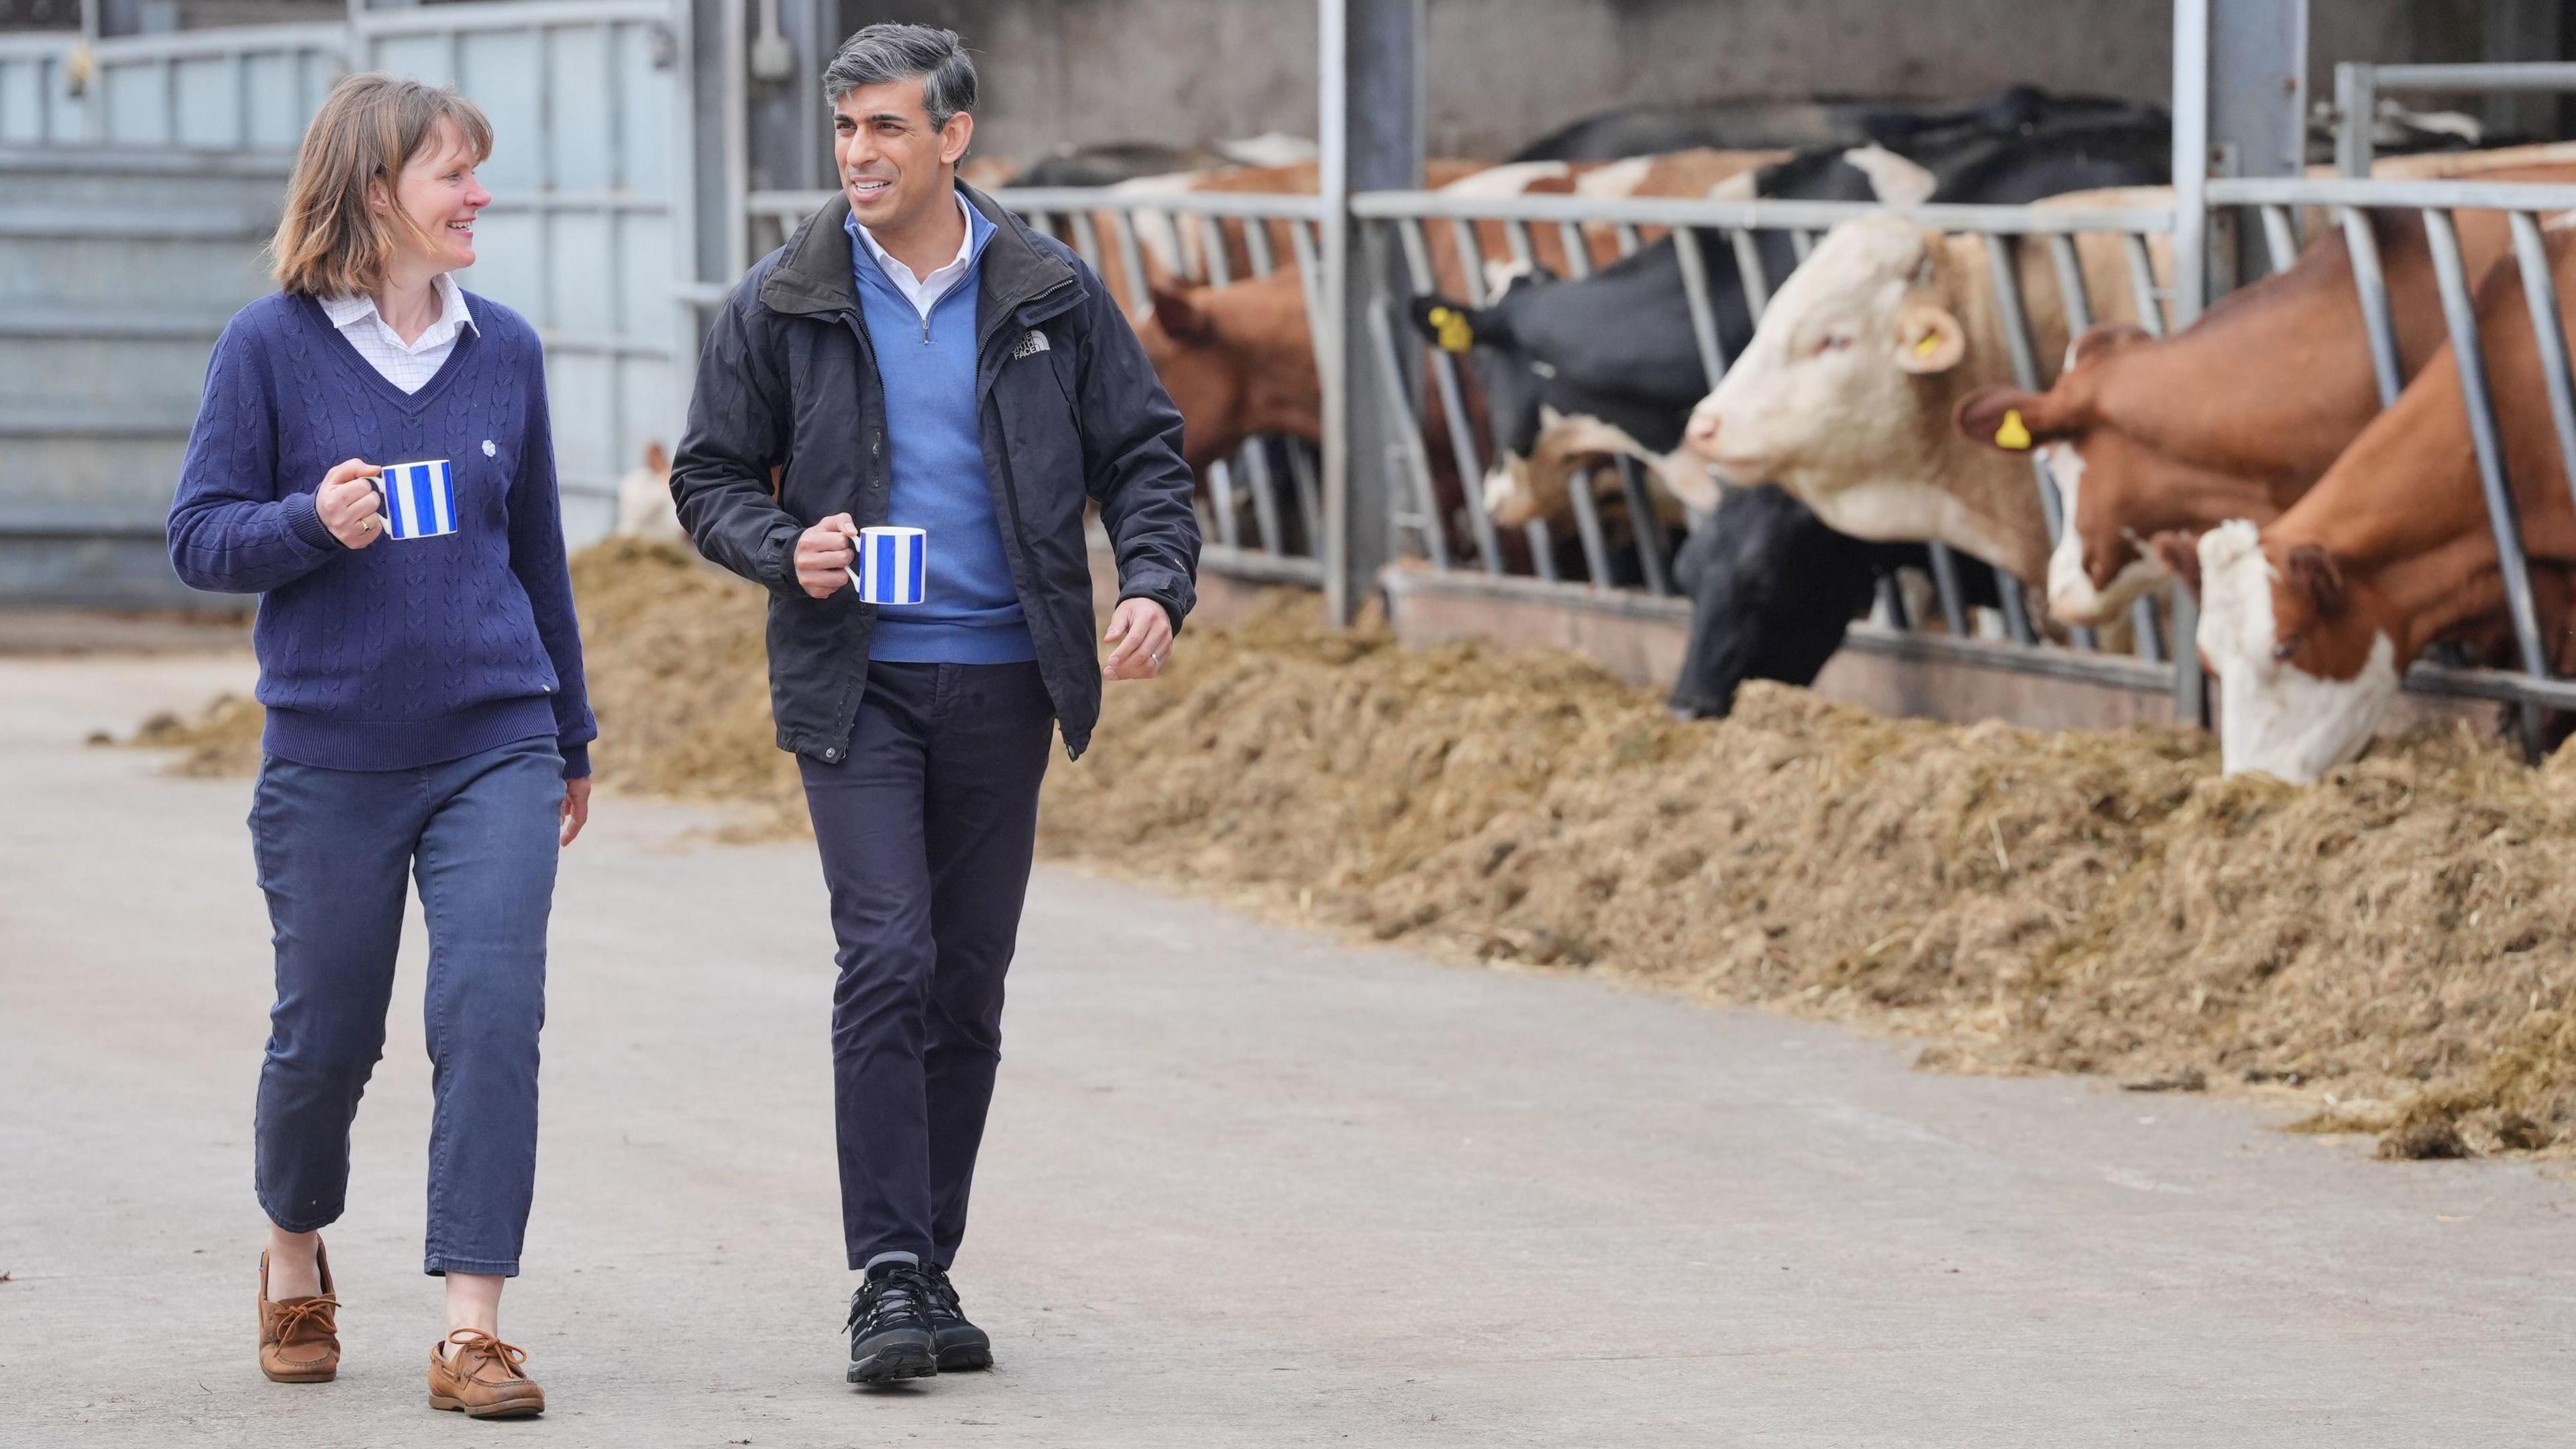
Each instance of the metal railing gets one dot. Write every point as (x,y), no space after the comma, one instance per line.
(2360,84)
(1264,506)
(241,88)
(1716,243)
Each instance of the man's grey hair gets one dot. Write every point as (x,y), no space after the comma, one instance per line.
(890,52)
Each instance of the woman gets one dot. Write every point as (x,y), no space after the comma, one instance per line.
(426,714)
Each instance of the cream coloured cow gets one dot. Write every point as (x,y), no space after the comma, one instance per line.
(1845,394)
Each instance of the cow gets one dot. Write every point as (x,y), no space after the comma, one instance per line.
(2310,621)
(1238,360)
(2238,414)
(644,499)
(1773,593)
(1845,393)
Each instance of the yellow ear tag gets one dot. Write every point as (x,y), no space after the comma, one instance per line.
(1455,334)
(1931,341)
(2013,434)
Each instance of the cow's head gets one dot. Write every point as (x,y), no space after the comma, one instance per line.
(1836,383)
(1518,387)
(2119,490)
(2306,658)
(1238,360)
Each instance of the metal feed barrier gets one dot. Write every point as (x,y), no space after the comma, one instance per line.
(1403,219)
(1278,541)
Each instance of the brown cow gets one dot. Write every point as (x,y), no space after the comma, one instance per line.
(2310,622)
(2236,416)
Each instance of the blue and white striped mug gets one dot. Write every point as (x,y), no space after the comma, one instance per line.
(419,501)
(890,565)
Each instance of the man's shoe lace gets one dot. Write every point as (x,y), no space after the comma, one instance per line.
(904,1292)
(943,1295)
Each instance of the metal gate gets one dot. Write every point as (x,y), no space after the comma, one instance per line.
(591,118)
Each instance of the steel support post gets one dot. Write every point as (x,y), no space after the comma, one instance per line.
(2240,95)
(1370,118)
(2523,30)
(787,132)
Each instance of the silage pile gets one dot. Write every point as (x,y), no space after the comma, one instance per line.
(2394,944)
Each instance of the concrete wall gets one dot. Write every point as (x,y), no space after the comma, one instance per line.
(1502,72)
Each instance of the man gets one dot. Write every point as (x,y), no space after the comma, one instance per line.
(915,356)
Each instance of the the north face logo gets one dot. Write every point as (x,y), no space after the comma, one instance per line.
(1030,346)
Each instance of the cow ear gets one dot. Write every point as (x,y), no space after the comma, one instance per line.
(2312,571)
(2179,552)
(1181,317)
(1928,339)
(1444,324)
(2006,417)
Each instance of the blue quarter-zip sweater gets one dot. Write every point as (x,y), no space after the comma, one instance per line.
(970,609)
(409,651)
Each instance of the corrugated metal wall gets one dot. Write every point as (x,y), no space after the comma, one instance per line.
(141,178)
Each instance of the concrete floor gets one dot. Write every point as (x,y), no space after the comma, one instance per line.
(1243,1186)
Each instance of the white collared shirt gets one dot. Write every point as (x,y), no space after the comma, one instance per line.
(407,365)
(924,292)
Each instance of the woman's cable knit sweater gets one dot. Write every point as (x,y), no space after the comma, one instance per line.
(409,651)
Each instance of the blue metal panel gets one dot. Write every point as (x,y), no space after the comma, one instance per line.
(645,413)
(586,133)
(582,391)
(509,268)
(427,57)
(502,74)
(645,97)
(137,104)
(22,99)
(644,250)
(277,106)
(320,71)
(582,272)
(209,103)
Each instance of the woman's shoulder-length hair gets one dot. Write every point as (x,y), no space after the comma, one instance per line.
(332,242)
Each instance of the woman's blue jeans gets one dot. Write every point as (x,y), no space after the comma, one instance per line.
(333,848)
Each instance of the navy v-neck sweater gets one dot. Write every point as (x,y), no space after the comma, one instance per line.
(408,651)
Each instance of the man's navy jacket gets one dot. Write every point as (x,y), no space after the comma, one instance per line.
(1071,411)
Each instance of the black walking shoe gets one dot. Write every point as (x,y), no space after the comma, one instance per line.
(961,1344)
(890,1326)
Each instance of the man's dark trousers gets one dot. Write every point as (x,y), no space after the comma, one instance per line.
(926,830)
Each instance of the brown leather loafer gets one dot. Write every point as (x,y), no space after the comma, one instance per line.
(482,1378)
(299,1339)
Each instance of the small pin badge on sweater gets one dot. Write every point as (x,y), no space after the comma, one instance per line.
(1030,346)
(489,451)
